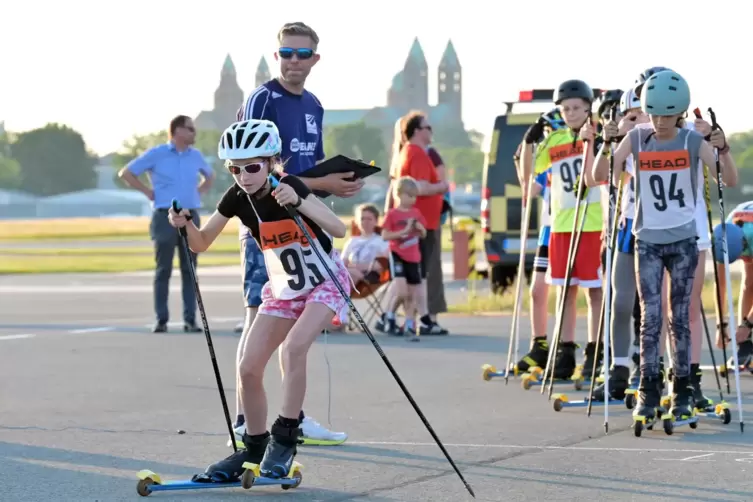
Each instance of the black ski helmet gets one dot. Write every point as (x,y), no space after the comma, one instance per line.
(607,99)
(574,89)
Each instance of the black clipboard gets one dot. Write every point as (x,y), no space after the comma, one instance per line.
(339,164)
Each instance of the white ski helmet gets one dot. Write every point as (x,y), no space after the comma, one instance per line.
(629,101)
(248,139)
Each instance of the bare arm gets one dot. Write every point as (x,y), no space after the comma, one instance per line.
(315,209)
(200,240)
(601,165)
(729,169)
(132,181)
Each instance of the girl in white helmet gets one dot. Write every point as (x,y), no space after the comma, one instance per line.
(666,184)
(299,300)
(623,268)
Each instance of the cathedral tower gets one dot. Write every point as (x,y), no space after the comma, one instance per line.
(450,81)
(262,73)
(228,95)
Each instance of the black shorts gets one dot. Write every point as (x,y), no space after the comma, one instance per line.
(411,272)
(428,248)
(541,261)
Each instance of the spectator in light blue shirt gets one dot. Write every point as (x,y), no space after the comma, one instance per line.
(175,170)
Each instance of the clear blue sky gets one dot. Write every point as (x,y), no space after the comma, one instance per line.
(114,69)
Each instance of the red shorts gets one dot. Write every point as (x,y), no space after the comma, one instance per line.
(586,271)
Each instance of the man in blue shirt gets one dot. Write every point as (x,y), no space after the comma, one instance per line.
(174,170)
(298,115)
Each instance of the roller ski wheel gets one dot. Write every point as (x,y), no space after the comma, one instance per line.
(641,423)
(669,426)
(487,371)
(559,402)
(144,486)
(252,475)
(722,412)
(630,399)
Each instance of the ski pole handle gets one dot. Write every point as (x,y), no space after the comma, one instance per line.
(714,125)
(178,209)
(697,113)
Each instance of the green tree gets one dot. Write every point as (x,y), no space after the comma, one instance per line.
(10,173)
(466,164)
(358,141)
(53,160)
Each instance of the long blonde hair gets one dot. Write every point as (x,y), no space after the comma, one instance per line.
(397,145)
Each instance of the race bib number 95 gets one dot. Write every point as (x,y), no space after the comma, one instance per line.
(293,267)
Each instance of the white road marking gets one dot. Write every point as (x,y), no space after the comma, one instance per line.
(16,337)
(91,330)
(566,448)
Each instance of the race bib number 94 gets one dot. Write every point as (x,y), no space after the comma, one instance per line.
(293,267)
(666,189)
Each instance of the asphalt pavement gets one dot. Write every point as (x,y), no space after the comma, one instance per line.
(90,397)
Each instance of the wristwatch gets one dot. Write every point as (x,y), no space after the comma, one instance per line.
(746,322)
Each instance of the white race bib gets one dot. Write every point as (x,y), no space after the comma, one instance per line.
(666,189)
(293,267)
(566,166)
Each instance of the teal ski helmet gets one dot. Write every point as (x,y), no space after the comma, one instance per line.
(665,93)
(735,242)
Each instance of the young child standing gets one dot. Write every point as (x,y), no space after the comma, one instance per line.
(403,226)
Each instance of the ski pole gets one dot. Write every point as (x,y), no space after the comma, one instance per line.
(711,349)
(717,288)
(297,218)
(725,254)
(184,245)
(575,237)
(604,332)
(525,223)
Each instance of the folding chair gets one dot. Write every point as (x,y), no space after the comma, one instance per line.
(373,291)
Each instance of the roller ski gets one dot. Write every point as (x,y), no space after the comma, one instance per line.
(564,369)
(744,358)
(682,411)
(241,469)
(704,406)
(648,408)
(619,393)
(489,371)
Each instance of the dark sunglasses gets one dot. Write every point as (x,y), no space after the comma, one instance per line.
(249,168)
(287,53)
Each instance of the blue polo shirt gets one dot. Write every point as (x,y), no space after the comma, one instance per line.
(299,119)
(174,174)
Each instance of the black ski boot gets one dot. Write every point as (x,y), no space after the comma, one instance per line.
(744,356)
(649,397)
(635,371)
(588,362)
(564,362)
(231,468)
(536,357)
(702,403)
(682,398)
(619,381)
(281,450)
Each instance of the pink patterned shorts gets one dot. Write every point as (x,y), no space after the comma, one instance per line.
(325,293)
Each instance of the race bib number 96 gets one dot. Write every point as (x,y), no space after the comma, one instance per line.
(567,162)
(666,189)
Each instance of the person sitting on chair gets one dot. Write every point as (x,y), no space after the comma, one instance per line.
(360,253)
